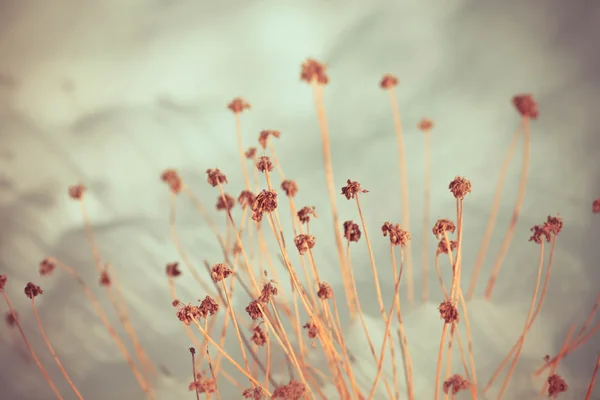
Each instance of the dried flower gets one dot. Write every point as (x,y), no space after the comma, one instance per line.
(312,329)
(259,336)
(104,278)
(443,225)
(46,267)
(526,105)
(448,312)
(456,383)
(314,71)
(304,243)
(11,319)
(250,153)
(264,137)
(443,247)
(76,192)
(266,201)
(188,312)
(267,293)
(305,213)
(289,187)
(596,206)
(552,226)
(208,306)
(238,105)
(460,187)
(325,291)
(294,390)
(173,270)
(388,81)
(398,236)
(425,125)
(253,393)
(171,178)
(351,231)
(202,384)
(264,164)
(3,280)
(225,202)
(254,310)
(219,272)
(216,177)
(246,198)
(352,189)
(556,385)
(32,290)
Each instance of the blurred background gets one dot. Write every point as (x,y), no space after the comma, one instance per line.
(111,93)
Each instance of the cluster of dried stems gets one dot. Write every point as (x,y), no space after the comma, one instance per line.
(307,317)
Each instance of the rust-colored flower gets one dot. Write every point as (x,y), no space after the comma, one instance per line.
(596,206)
(552,226)
(3,280)
(173,270)
(455,384)
(352,189)
(443,247)
(171,178)
(443,225)
(219,272)
(351,231)
(104,278)
(215,177)
(253,393)
(46,267)
(250,153)
(448,312)
(304,243)
(264,164)
(425,125)
(325,291)
(11,319)
(305,214)
(253,309)
(264,137)
(460,187)
(267,293)
(388,81)
(556,385)
(526,105)
(294,390)
(32,290)
(259,337)
(76,192)
(225,202)
(312,329)
(187,312)
(398,236)
(238,105)
(208,306)
(246,198)
(314,71)
(289,187)
(203,384)
(266,201)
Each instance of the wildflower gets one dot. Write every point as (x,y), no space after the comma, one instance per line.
(526,105)
(267,293)
(208,306)
(254,310)
(352,189)
(425,125)
(294,390)
(289,187)
(46,267)
(443,247)
(266,201)
(312,329)
(32,290)
(238,105)
(76,192)
(225,202)
(246,198)
(216,177)
(388,81)
(304,243)
(104,279)
(171,178)
(441,226)
(351,231)
(259,336)
(219,272)
(173,270)
(250,153)
(305,213)
(264,164)
(460,187)
(456,383)
(253,393)
(264,137)
(556,385)
(448,312)
(314,71)
(398,236)
(325,291)
(202,384)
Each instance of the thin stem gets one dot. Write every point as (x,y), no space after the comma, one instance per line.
(238,133)
(588,395)
(210,366)
(426,220)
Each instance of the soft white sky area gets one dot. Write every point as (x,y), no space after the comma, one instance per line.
(109,93)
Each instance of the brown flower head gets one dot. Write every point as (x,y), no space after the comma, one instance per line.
(314,71)
(264,164)
(526,105)
(173,270)
(219,272)
(238,105)
(596,206)
(304,243)
(448,312)
(11,319)
(388,81)
(294,390)
(455,383)
(253,309)
(246,198)
(259,337)
(305,214)
(76,192)
(253,393)
(460,187)
(398,236)
(425,125)
(325,291)
(352,189)
(250,153)
(187,312)
(443,225)
(171,178)
(267,293)
(3,280)
(443,248)
(104,278)
(556,386)
(215,177)
(289,187)
(32,290)
(351,231)
(225,202)
(552,226)
(208,306)
(203,384)
(264,137)
(46,267)
(266,201)
(312,329)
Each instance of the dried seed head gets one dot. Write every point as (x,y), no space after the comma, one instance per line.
(259,336)
(11,319)
(32,290)
(3,280)
(596,206)
(76,192)
(225,202)
(304,243)
(238,105)
(208,306)
(253,393)
(352,189)
(266,201)
(312,329)
(202,384)
(448,312)
(526,105)
(246,198)
(267,293)
(264,164)
(250,153)
(552,226)
(460,187)
(187,313)
(219,272)
(388,81)
(289,187)
(264,137)
(398,236)
(456,383)
(46,267)
(425,125)
(443,225)
(176,303)
(443,248)
(171,178)
(325,291)
(314,71)
(253,310)
(216,177)
(305,213)
(556,385)
(351,231)
(173,270)
(192,350)
(104,278)
(294,390)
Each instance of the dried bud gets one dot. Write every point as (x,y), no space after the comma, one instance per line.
(456,383)
(448,312)
(3,280)
(325,291)
(259,336)
(312,329)
(171,178)
(32,290)
(202,384)
(76,192)
(596,206)
(305,213)
(294,390)
(246,198)
(238,105)
(443,225)
(253,309)
(388,81)
(443,248)
(46,267)
(552,226)
(11,319)
(314,71)
(398,236)
(352,189)
(219,272)
(425,125)
(250,153)
(526,105)
(216,177)
(351,231)
(264,137)
(253,393)
(266,201)
(187,313)
(289,187)
(304,243)
(225,202)
(267,293)
(556,385)
(460,187)
(264,164)
(208,306)
(173,270)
